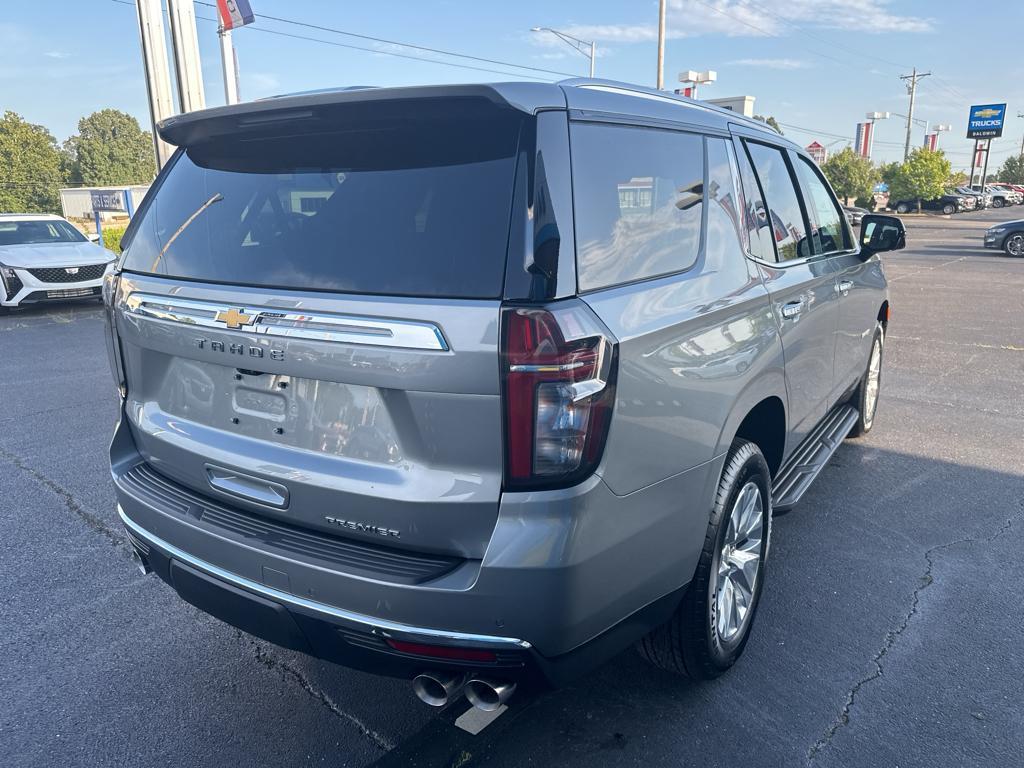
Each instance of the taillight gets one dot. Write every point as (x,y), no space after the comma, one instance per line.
(559,366)
(110,286)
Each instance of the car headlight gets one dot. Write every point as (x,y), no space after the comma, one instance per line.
(997,230)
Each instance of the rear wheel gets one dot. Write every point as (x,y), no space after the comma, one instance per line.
(902,208)
(1014,245)
(866,396)
(997,203)
(710,628)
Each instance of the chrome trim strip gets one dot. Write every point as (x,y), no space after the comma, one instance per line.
(292,324)
(374,625)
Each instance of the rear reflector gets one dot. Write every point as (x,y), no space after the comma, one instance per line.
(443,651)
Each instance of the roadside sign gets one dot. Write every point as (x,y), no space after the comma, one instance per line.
(109,200)
(986,121)
(235,13)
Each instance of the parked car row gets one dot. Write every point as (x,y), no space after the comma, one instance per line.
(964,198)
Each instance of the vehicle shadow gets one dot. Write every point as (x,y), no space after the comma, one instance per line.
(866,576)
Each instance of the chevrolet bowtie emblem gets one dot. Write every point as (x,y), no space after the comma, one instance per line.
(234,318)
(986,113)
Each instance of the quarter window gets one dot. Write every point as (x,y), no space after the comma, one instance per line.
(829,232)
(639,198)
(788,227)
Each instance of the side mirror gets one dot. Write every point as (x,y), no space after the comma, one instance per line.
(882,233)
(93,237)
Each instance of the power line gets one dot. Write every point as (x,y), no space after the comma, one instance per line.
(428,49)
(371,50)
(819,38)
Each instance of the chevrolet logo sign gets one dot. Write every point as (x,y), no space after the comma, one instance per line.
(987,113)
(234,318)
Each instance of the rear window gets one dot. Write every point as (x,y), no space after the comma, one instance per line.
(403,201)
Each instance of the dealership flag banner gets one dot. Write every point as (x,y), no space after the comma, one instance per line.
(863,141)
(235,13)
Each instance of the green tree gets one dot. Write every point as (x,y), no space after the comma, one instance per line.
(922,177)
(110,149)
(30,167)
(957,179)
(850,175)
(771,123)
(1012,171)
(887,172)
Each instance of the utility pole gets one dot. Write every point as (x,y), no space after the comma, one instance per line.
(912,90)
(661,45)
(1021,115)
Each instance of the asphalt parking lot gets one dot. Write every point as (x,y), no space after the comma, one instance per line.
(889,634)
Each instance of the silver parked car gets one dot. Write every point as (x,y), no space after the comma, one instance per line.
(44,258)
(481,384)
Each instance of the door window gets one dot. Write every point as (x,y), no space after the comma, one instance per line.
(758,231)
(788,227)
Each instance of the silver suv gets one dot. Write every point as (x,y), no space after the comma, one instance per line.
(479,385)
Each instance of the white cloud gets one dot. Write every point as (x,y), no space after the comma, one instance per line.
(56,55)
(262,81)
(770,63)
(764,18)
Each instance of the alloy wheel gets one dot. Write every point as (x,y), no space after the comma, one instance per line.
(1015,245)
(739,562)
(872,383)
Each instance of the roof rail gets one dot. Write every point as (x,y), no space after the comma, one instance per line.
(630,89)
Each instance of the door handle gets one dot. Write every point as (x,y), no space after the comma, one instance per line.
(793,309)
(844,286)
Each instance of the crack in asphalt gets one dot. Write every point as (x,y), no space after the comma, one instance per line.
(892,636)
(95,522)
(288,672)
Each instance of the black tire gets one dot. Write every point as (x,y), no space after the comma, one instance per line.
(867,411)
(690,642)
(949,209)
(902,208)
(997,203)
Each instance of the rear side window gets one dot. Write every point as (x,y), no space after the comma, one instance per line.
(412,200)
(638,198)
(829,232)
(786,217)
(724,204)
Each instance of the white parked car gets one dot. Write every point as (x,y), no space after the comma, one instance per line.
(44,258)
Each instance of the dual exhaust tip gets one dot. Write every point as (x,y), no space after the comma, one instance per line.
(439,688)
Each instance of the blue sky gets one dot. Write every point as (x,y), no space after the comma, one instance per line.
(816,64)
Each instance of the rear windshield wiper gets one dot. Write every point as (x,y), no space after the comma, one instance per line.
(215,199)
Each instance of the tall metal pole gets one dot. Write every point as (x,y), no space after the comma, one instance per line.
(593,56)
(157,73)
(187,66)
(1020,115)
(912,90)
(984,171)
(227,65)
(661,45)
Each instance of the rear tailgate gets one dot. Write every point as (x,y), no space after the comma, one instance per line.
(309,321)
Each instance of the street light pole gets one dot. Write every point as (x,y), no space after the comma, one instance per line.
(661,45)
(1020,115)
(586,47)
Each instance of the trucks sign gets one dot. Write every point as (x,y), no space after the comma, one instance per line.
(986,121)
